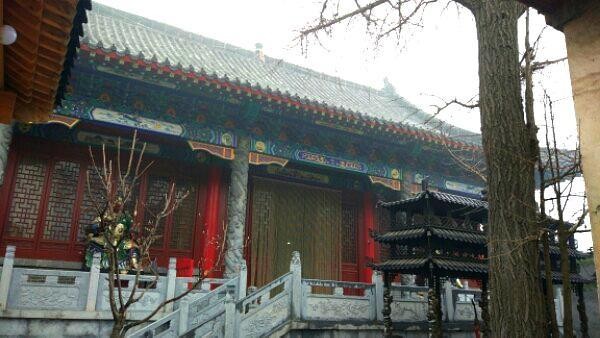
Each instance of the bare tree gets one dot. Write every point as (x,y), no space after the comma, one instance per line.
(562,167)
(516,307)
(124,249)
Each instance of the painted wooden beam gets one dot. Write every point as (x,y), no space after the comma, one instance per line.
(7,106)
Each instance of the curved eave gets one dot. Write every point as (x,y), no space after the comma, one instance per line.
(445,265)
(409,235)
(182,73)
(37,65)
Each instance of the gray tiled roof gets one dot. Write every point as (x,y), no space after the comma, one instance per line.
(134,35)
(440,196)
(399,235)
(449,234)
(460,235)
(443,263)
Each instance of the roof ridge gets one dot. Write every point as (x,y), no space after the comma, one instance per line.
(277,74)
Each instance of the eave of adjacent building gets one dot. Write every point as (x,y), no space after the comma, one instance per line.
(35,69)
(559,12)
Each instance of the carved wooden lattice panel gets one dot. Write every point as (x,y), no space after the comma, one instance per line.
(61,201)
(157,189)
(26,197)
(93,198)
(262,235)
(184,217)
(349,231)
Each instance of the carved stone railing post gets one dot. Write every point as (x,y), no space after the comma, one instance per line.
(296,269)
(171,282)
(242,281)
(230,314)
(378,282)
(252,289)
(236,208)
(92,295)
(184,310)
(7,268)
(449,301)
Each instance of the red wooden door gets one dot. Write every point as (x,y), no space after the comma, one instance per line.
(45,203)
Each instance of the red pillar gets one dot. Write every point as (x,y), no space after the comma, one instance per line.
(368,245)
(212,233)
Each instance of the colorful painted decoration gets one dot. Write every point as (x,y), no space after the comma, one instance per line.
(386,182)
(463,187)
(138,122)
(222,152)
(64,120)
(262,159)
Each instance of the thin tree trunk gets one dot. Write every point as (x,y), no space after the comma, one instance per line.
(550,306)
(583,320)
(516,306)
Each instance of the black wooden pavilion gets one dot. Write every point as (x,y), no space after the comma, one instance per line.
(440,235)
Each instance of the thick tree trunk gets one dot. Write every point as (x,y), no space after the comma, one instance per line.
(516,305)
(118,327)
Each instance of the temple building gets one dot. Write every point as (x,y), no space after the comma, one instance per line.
(276,158)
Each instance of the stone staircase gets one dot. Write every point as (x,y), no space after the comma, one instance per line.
(290,305)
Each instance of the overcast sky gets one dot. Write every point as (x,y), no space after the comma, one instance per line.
(438,60)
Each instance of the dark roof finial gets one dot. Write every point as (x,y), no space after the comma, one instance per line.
(425,184)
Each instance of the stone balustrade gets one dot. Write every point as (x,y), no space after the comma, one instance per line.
(67,294)
(221,307)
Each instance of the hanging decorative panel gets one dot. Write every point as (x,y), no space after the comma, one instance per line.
(290,217)
(349,230)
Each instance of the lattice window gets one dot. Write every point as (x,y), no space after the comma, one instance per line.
(184,217)
(26,197)
(157,189)
(349,229)
(93,198)
(61,201)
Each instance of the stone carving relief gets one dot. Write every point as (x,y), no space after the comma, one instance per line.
(337,309)
(464,311)
(49,297)
(406,311)
(266,318)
